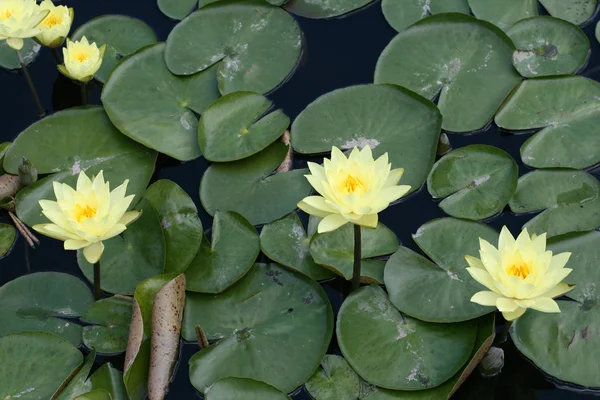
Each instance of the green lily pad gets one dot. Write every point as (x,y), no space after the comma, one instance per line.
(401,14)
(438,291)
(8,56)
(334,380)
(569,197)
(122,36)
(34,364)
(110,319)
(249,188)
(275,327)
(40,301)
(8,234)
(476,181)
(577,12)
(244,37)
(110,379)
(156,108)
(335,251)
(285,241)
(79,383)
(397,352)
(98,394)
(177,9)
(548,46)
(455,56)
(385,117)
(242,389)
(135,255)
(58,145)
(232,128)
(323,9)
(180,222)
(226,258)
(505,13)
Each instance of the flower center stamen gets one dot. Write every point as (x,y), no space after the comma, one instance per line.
(51,21)
(5,14)
(352,184)
(521,270)
(84,212)
(81,56)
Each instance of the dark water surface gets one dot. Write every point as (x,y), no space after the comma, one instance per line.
(338,53)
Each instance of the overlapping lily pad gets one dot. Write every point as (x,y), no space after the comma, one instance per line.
(78,383)
(505,13)
(464,60)
(335,251)
(34,364)
(226,258)
(334,380)
(242,389)
(177,9)
(256,45)
(548,46)
(274,326)
(135,255)
(8,56)
(98,394)
(577,12)
(122,36)
(180,222)
(156,108)
(109,330)
(110,379)
(323,9)
(385,117)
(43,302)
(233,127)
(476,181)
(394,351)
(438,291)
(286,242)
(401,14)
(8,234)
(248,187)
(569,197)
(59,146)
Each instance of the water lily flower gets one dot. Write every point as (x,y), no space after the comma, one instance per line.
(88,215)
(520,274)
(353,189)
(56,25)
(19,19)
(82,60)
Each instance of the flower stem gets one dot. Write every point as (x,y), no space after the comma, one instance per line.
(504,336)
(56,55)
(97,290)
(357,259)
(36,98)
(84,94)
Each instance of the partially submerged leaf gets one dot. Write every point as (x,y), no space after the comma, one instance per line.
(77,383)
(334,380)
(110,319)
(242,389)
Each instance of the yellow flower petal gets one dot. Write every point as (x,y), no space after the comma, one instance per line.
(369,220)
(129,217)
(545,304)
(506,239)
(394,177)
(312,210)
(331,223)
(486,298)
(558,290)
(75,244)
(483,277)
(474,262)
(84,184)
(506,305)
(93,252)
(559,261)
(512,315)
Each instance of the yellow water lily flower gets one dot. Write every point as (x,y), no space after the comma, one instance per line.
(82,60)
(520,274)
(20,19)
(85,217)
(353,189)
(56,25)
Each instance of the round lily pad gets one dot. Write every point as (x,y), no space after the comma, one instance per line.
(242,389)
(387,118)
(456,56)
(34,364)
(156,108)
(8,234)
(110,319)
(401,14)
(235,127)
(394,351)
(177,9)
(334,380)
(548,46)
(335,251)
(505,13)
(438,291)
(569,197)
(577,12)
(202,3)
(249,188)
(256,45)
(8,56)
(58,145)
(323,9)
(226,258)
(180,222)
(274,325)
(285,241)
(135,255)
(122,36)
(476,181)
(38,302)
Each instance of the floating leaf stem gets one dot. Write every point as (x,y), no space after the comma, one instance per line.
(97,290)
(36,98)
(357,259)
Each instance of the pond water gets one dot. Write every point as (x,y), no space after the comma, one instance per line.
(338,53)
